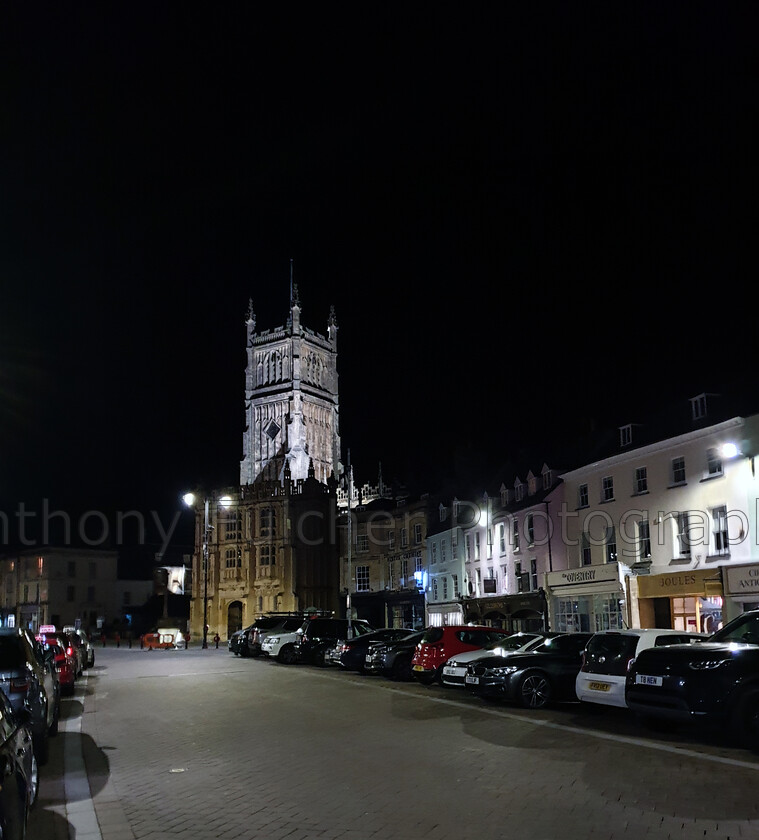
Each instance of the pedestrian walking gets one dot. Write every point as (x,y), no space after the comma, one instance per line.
(187,640)
(118,639)
(102,638)
(217,639)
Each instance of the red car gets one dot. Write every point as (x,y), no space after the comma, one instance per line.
(439,644)
(64,666)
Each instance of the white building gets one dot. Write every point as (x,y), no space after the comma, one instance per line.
(664,532)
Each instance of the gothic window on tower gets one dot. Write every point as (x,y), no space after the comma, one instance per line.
(267,555)
(268,522)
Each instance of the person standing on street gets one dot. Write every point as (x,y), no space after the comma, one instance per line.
(187,640)
(217,639)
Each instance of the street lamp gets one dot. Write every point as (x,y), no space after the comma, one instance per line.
(225,502)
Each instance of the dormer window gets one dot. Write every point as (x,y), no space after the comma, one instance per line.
(443,512)
(504,496)
(532,484)
(547,479)
(698,407)
(518,490)
(625,435)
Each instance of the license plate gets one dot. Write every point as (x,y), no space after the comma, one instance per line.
(594,686)
(471,679)
(643,679)
(418,668)
(368,658)
(451,671)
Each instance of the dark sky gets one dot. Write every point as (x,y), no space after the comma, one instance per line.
(526,216)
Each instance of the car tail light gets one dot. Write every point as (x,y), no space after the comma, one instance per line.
(19,685)
(69,651)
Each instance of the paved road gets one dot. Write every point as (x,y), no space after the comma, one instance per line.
(195,745)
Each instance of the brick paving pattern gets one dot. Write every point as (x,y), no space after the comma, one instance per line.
(203,745)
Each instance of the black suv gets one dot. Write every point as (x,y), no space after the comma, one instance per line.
(317,635)
(251,637)
(715,680)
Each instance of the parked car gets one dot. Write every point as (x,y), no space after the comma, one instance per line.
(252,636)
(233,642)
(29,682)
(714,681)
(64,663)
(281,646)
(439,644)
(317,635)
(454,670)
(609,654)
(74,654)
(544,675)
(20,779)
(393,659)
(85,643)
(350,654)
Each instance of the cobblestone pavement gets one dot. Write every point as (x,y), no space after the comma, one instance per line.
(173,745)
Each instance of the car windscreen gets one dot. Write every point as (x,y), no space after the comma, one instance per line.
(11,655)
(744,630)
(510,642)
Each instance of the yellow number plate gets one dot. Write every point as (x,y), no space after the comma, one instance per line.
(594,686)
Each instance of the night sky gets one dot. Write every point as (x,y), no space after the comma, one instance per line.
(527,216)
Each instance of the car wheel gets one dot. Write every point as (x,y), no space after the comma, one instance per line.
(244,652)
(402,669)
(287,655)
(439,677)
(534,691)
(53,728)
(745,720)
(34,782)
(319,659)
(41,747)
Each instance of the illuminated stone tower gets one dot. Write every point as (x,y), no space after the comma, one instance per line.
(291,404)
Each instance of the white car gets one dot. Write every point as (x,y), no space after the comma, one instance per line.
(609,655)
(281,646)
(454,669)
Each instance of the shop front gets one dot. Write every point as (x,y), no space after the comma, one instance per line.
(518,613)
(688,600)
(741,589)
(587,599)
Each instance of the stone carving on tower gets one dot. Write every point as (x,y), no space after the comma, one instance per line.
(291,400)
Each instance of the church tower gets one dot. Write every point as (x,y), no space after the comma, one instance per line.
(291,404)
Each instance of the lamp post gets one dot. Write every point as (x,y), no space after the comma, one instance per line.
(224,501)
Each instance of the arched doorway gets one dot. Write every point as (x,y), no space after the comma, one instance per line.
(234,617)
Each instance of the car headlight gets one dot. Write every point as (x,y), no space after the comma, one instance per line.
(502,672)
(272,640)
(707,664)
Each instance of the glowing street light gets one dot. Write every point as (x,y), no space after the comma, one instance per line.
(189,500)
